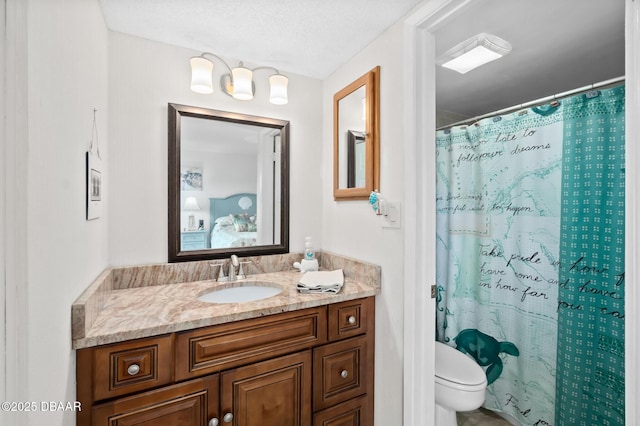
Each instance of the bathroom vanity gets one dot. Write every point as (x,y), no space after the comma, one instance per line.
(155,355)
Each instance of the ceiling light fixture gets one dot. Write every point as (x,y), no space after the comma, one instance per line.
(478,50)
(238,83)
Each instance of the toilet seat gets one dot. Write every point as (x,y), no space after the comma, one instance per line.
(456,370)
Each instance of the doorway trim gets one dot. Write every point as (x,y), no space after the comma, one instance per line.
(420,191)
(632,211)
(13,187)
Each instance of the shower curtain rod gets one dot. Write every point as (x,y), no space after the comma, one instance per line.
(537,102)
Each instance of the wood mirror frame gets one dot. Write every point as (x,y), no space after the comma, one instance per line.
(371,82)
(175,114)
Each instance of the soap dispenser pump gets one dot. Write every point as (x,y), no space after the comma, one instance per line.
(308,249)
(309,261)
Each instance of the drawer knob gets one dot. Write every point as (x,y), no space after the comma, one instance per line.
(228,418)
(213,422)
(133,369)
(344,374)
(352,319)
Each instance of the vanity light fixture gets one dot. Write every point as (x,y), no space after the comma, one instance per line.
(238,83)
(471,53)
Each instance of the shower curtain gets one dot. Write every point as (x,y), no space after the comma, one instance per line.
(530,257)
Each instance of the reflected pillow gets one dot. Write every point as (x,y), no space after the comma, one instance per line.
(241,222)
(225,220)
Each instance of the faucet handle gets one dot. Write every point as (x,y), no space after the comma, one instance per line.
(221,275)
(241,273)
(220,270)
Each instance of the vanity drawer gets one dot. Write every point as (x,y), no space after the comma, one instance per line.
(193,237)
(133,366)
(355,412)
(339,372)
(351,318)
(211,349)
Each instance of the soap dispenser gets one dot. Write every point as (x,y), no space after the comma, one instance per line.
(309,261)
(308,249)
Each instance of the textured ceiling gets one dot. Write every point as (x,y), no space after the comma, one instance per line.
(558,45)
(307,37)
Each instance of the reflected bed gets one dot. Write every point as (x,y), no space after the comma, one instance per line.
(233,221)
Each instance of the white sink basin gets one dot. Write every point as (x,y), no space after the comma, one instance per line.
(244,292)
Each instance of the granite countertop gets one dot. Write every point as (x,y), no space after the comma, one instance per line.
(108,313)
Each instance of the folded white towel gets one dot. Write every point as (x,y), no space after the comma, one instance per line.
(321,282)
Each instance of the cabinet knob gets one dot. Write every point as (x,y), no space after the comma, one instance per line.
(133,369)
(228,418)
(352,319)
(213,422)
(344,374)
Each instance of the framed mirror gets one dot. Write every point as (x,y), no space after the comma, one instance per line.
(228,184)
(356,139)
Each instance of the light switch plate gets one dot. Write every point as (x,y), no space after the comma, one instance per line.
(392,217)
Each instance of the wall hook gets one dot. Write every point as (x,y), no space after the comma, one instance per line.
(94,131)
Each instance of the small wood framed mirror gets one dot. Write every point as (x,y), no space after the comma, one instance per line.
(356,139)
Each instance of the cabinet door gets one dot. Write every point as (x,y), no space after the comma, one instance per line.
(270,393)
(192,403)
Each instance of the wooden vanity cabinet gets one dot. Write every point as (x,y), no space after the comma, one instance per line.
(312,367)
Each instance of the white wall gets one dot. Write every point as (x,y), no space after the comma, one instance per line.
(143,77)
(14,187)
(3,197)
(61,69)
(351,228)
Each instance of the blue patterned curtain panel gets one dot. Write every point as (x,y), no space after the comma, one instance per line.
(518,197)
(590,371)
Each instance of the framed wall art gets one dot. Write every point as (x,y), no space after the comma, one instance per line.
(93,175)
(94,185)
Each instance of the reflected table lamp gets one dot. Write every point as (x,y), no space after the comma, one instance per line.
(191,205)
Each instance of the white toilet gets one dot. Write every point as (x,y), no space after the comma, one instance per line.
(460,384)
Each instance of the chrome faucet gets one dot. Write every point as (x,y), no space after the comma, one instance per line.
(232,267)
(234,263)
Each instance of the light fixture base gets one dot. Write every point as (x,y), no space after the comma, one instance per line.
(227,85)
(474,52)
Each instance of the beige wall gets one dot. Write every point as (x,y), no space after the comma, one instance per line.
(351,228)
(143,77)
(58,75)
